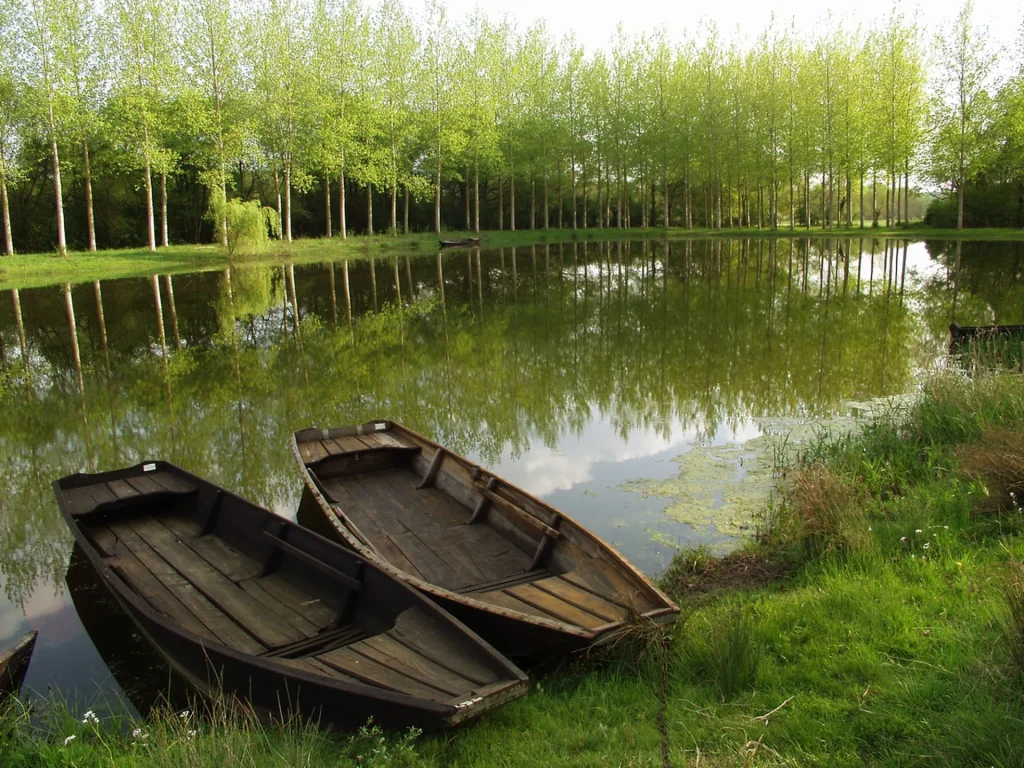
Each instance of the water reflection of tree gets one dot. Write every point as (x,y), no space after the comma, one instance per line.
(496,350)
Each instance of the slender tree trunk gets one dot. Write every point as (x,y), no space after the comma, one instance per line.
(5,212)
(512,202)
(874,198)
(90,220)
(476,193)
(906,193)
(861,205)
(572,173)
(501,204)
(342,224)
(394,210)
(163,209)
(58,193)
(807,198)
(437,193)
(288,200)
(369,209)
(277,193)
(465,199)
(150,223)
(533,202)
(405,212)
(547,208)
(327,204)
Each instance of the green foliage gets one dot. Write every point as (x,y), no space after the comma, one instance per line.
(728,653)
(249,225)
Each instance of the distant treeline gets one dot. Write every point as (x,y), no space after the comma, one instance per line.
(124,125)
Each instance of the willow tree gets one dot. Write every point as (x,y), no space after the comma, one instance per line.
(144,44)
(213,57)
(962,108)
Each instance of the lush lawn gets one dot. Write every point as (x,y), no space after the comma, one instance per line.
(29,270)
(870,619)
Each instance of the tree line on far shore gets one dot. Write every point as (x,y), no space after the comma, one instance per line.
(134,123)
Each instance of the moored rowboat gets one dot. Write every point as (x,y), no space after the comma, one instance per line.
(462,242)
(525,576)
(244,602)
(14,664)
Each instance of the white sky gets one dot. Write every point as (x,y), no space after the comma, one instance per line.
(594,21)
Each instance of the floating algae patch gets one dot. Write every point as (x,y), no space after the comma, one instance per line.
(720,489)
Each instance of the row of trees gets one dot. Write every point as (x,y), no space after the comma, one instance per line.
(181,104)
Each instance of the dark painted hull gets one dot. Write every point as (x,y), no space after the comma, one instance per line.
(271,689)
(14,664)
(465,242)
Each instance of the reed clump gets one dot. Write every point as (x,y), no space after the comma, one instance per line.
(1013,619)
(729,654)
(998,461)
(822,512)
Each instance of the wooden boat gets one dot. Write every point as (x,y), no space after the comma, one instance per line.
(14,664)
(526,577)
(960,333)
(244,602)
(462,242)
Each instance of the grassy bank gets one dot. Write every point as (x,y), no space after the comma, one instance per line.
(32,270)
(878,619)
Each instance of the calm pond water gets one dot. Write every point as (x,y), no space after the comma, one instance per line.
(638,386)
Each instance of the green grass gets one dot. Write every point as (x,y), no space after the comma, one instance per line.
(902,650)
(33,270)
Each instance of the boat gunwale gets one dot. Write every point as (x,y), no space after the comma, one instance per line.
(663,614)
(136,604)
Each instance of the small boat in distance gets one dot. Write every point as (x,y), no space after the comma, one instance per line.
(960,333)
(14,664)
(528,578)
(248,604)
(463,242)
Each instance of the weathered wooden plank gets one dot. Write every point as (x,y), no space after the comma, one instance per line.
(172,482)
(605,582)
(311,608)
(394,655)
(222,627)
(104,537)
(100,493)
(505,600)
(514,512)
(433,664)
(349,444)
(144,484)
(156,593)
(332,448)
(79,501)
(122,490)
(366,669)
(219,589)
(222,556)
(581,598)
(279,609)
(554,606)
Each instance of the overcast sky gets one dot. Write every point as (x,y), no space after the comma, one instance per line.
(594,21)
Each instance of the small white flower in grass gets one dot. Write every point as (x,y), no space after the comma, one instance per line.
(945,527)
(903,538)
(185,714)
(139,734)
(192,734)
(927,544)
(69,739)
(918,530)
(90,717)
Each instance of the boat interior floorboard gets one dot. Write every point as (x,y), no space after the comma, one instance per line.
(424,531)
